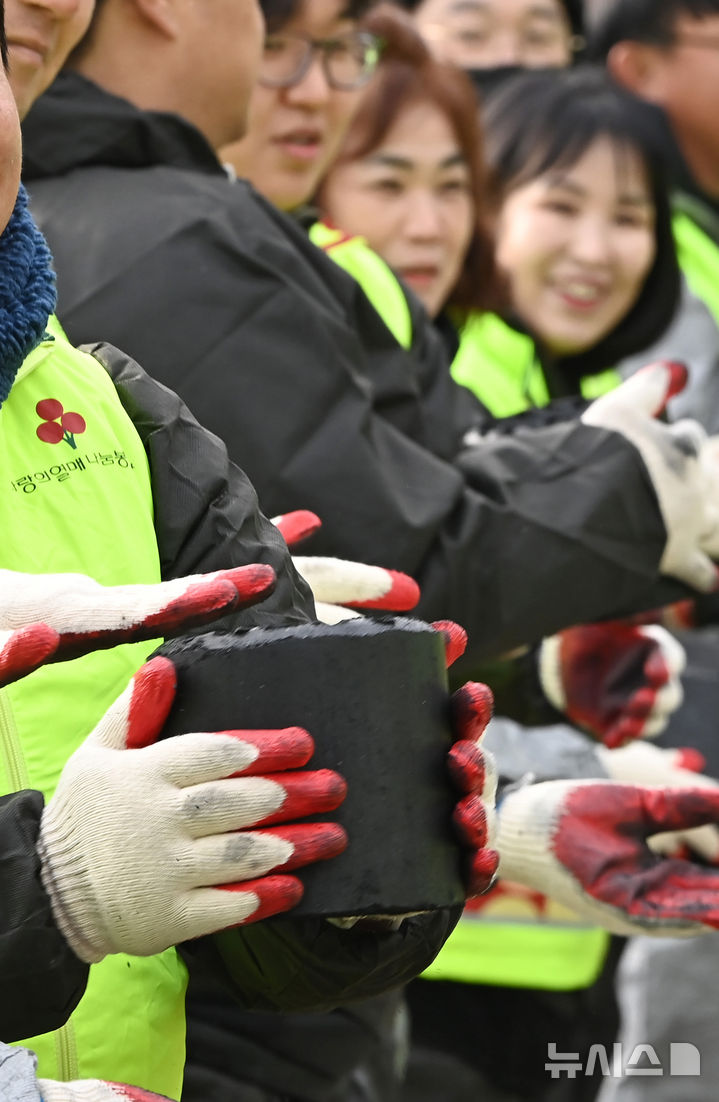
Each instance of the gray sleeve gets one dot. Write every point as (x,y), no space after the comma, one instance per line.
(535,754)
(693,339)
(18,1079)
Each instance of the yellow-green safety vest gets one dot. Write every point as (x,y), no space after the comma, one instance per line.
(500,365)
(374,277)
(83,504)
(698,259)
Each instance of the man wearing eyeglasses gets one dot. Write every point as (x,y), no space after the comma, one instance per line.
(297,119)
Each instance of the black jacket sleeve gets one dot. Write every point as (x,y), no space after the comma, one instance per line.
(285,359)
(42,979)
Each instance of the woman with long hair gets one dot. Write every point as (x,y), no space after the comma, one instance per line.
(576,199)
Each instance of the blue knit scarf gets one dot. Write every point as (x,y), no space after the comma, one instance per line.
(27,291)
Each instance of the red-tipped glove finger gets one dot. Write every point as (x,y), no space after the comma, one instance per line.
(357,585)
(194,602)
(22,651)
(481,871)
(88,616)
(455,639)
(472,708)
(467,767)
(227,805)
(297,526)
(470,820)
(230,858)
(202,756)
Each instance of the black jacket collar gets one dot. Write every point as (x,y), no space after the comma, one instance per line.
(77,124)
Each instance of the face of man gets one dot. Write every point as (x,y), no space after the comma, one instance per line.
(296,130)
(41,34)
(223,39)
(683,79)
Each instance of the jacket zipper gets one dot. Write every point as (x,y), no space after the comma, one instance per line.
(66,1053)
(15,768)
(17,779)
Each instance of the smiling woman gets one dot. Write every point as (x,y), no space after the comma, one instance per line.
(582,219)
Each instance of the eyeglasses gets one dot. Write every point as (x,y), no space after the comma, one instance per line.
(348,61)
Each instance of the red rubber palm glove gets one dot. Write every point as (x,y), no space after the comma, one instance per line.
(338,585)
(145,845)
(585,844)
(472,770)
(618,681)
(48,617)
(679,767)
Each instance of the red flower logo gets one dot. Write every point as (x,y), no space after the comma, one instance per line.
(58,425)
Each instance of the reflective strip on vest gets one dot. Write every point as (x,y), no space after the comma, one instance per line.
(376,279)
(699,261)
(500,366)
(83,503)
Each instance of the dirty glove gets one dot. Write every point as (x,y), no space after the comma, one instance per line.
(584,844)
(57,616)
(144,846)
(642,763)
(338,585)
(681,465)
(618,681)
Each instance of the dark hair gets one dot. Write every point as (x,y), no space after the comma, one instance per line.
(651,21)
(279,12)
(408,74)
(3,36)
(276,13)
(544,120)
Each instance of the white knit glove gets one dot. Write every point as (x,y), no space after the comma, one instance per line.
(339,586)
(681,464)
(584,844)
(641,763)
(94,1090)
(57,616)
(145,846)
